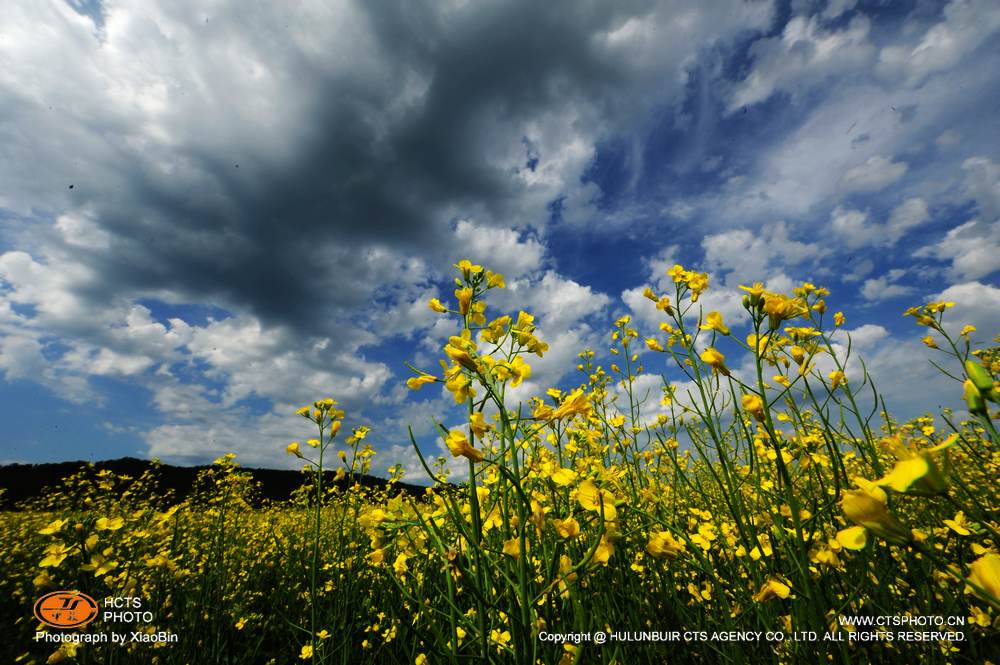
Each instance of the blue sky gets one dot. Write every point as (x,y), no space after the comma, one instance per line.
(211,214)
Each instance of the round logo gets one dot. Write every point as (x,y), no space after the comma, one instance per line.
(66,609)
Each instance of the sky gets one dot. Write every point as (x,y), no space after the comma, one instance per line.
(214,212)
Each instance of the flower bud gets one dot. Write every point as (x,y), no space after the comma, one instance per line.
(978,375)
(973,399)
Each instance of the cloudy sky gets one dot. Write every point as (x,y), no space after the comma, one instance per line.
(212,212)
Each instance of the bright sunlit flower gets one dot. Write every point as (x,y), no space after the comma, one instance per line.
(715,360)
(713,321)
(458,444)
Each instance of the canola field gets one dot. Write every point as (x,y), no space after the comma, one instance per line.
(761,507)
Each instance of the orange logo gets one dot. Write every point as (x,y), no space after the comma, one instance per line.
(66,609)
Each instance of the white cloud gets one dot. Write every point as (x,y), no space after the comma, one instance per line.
(855,228)
(973,248)
(835,8)
(743,256)
(643,310)
(966,26)
(877,172)
(21,358)
(975,303)
(259,440)
(83,231)
(803,56)
(500,250)
(982,184)
(908,215)
(265,361)
(867,335)
(948,139)
(886,287)
(562,307)
(859,271)
(47,287)
(658,265)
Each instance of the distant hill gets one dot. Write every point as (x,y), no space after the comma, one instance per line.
(27,481)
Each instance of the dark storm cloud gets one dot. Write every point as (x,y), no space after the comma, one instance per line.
(286,163)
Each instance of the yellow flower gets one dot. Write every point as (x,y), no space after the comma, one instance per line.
(595,500)
(677,273)
(512,548)
(753,405)
(836,378)
(415,382)
(653,344)
(494,280)
(958,524)
(421,659)
(523,327)
(464,297)
(293,449)
(459,350)
(399,565)
(563,476)
(919,473)
(519,370)
(758,344)
(838,319)
(755,291)
(500,638)
(458,384)
(967,330)
(109,524)
(459,446)
(698,283)
(496,329)
(985,572)
(478,424)
(306,653)
(715,360)
(574,403)
(436,306)
(477,316)
(468,268)
(567,528)
(713,321)
(779,308)
(648,293)
(605,550)
(663,544)
(772,588)
(906,473)
(53,527)
(865,509)
(55,554)
(99,565)
(853,537)
(929,341)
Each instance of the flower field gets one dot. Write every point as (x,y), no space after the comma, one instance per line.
(762,506)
